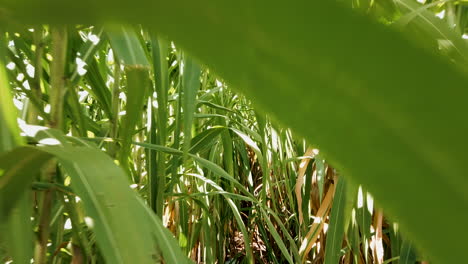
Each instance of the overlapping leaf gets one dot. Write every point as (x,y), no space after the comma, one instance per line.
(107,199)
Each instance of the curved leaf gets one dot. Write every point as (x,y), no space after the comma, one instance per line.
(107,199)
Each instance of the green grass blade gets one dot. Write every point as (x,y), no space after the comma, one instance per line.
(87,51)
(18,176)
(261,120)
(166,241)
(214,106)
(126,45)
(278,239)
(249,142)
(137,87)
(9,132)
(99,89)
(237,216)
(15,205)
(161,77)
(407,253)
(292,243)
(19,232)
(320,168)
(213,167)
(336,228)
(395,239)
(190,87)
(204,139)
(364,220)
(353,237)
(153,164)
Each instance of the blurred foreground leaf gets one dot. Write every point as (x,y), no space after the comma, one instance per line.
(390,115)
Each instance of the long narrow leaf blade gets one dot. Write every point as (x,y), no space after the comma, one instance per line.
(336,227)
(122,225)
(190,86)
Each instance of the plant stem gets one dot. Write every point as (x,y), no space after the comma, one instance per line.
(36,85)
(57,93)
(115,108)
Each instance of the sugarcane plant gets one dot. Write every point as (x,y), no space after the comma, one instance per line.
(255,132)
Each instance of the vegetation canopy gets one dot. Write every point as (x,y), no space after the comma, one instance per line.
(233,132)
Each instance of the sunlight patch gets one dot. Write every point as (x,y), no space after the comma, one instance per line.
(441,14)
(20,77)
(68,224)
(360,198)
(94,39)
(80,66)
(29,130)
(18,104)
(11,66)
(89,222)
(30,70)
(49,142)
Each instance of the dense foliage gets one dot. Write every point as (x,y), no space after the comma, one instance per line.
(127,144)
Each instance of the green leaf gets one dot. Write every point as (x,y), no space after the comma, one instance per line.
(157,165)
(190,87)
(106,196)
(320,168)
(407,253)
(220,172)
(137,87)
(236,213)
(113,206)
(99,89)
(204,139)
(425,24)
(19,233)
(213,167)
(364,218)
(292,243)
(336,228)
(127,47)
(19,167)
(87,51)
(15,203)
(395,239)
(15,206)
(9,132)
(277,237)
(214,106)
